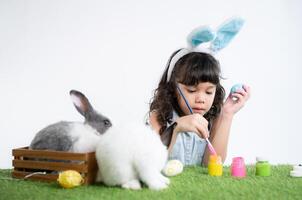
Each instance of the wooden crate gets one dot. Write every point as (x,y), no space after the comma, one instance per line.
(28,161)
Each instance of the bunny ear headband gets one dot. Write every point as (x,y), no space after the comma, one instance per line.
(216,40)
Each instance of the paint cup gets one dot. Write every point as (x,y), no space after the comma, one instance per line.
(263,168)
(297,171)
(238,167)
(215,166)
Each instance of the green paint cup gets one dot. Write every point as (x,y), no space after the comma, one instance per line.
(263,168)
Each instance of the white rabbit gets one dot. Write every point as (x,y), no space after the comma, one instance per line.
(130,154)
(74,136)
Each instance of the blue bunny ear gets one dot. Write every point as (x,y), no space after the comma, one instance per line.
(200,35)
(225,33)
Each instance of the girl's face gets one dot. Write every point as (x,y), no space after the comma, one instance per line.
(200,97)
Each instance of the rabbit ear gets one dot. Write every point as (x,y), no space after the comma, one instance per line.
(200,35)
(226,32)
(81,102)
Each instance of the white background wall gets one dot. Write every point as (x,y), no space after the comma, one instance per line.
(115,53)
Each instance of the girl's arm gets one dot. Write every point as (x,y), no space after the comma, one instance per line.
(222,124)
(193,123)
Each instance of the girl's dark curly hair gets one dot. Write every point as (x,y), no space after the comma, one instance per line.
(191,70)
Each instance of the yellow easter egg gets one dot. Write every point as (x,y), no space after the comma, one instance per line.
(70,179)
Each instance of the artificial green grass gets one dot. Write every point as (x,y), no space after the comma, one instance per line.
(193,183)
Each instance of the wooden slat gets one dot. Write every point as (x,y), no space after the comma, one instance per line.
(92,163)
(48,154)
(40,177)
(44,177)
(57,166)
(92,168)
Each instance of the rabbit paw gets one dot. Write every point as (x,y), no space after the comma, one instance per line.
(165,180)
(133,185)
(158,184)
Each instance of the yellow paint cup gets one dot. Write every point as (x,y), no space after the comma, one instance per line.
(215,166)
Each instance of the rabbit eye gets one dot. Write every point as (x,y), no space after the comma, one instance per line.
(107,122)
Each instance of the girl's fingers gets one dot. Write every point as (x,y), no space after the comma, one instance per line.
(239,98)
(237,95)
(195,123)
(202,131)
(247,88)
(242,94)
(247,91)
(200,119)
(202,126)
(241,91)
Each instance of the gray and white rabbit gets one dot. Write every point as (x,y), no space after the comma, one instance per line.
(75,137)
(130,154)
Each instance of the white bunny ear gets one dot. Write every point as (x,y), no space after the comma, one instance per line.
(200,35)
(226,32)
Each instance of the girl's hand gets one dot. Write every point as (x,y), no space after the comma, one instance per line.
(232,106)
(193,123)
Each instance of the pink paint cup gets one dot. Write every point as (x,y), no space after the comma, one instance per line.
(238,167)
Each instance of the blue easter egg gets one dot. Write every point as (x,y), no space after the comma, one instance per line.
(236,87)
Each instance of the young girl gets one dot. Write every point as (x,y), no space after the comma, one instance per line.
(197,74)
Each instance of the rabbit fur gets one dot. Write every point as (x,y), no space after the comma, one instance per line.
(73,136)
(129,154)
